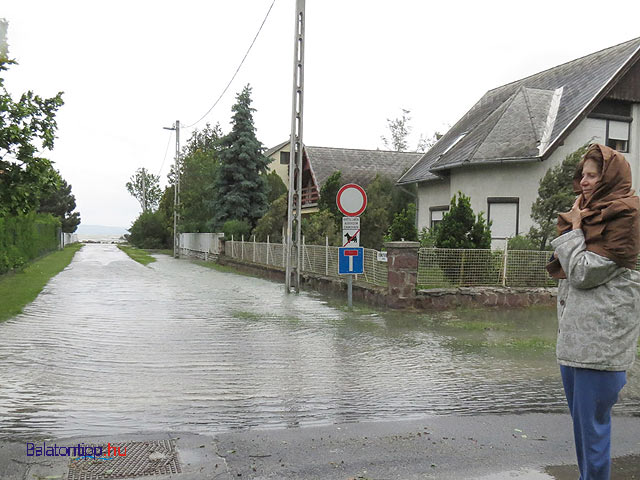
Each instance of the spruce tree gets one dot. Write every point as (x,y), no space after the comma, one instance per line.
(242,188)
(460,228)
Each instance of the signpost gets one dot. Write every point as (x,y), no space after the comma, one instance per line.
(351,201)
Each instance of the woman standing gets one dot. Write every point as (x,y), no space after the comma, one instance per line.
(598,300)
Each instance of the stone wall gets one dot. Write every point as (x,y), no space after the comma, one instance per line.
(445,298)
(401,292)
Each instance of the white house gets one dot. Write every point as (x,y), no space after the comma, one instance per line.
(501,148)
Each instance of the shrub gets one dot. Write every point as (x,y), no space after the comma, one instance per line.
(317,226)
(404,225)
(427,237)
(520,242)
(236,228)
(25,237)
(149,231)
(270,225)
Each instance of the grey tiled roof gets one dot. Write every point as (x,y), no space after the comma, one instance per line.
(358,166)
(519,121)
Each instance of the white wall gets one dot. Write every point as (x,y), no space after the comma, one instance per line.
(520,180)
(431,194)
(200,242)
(502,180)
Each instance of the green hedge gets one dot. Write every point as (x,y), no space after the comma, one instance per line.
(26,237)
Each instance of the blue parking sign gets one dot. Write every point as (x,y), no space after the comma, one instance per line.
(350,260)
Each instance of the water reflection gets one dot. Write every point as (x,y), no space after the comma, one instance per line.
(112,346)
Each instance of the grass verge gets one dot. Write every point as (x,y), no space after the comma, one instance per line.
(21,288)
(162,251)
(137,254)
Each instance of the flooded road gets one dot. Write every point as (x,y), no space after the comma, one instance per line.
(111,346)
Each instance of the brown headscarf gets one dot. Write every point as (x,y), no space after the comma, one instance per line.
(611,222)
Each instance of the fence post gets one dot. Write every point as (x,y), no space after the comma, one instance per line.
(402,277)
(233,250)
(242,247)
(504,266)
(303,254)
(374,259)
(267,249)
(254,249)
(326,256)
(284,236)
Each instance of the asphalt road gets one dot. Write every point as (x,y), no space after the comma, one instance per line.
(487,447)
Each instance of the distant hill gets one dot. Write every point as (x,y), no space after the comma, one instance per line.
(100,230)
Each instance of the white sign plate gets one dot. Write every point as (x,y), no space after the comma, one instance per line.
(350,231)
(351,200)
(351,223)
(382,256)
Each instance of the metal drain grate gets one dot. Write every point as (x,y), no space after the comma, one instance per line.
(141,459)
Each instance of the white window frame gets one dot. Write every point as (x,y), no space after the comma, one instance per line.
(626,141)
(438,208)
(509,200)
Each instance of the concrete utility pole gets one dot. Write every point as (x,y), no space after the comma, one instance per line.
(295,157)
(176,189)
(144,191)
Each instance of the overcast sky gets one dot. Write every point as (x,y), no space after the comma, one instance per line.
(129,68)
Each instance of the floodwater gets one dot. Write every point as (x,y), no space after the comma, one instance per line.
(111,346)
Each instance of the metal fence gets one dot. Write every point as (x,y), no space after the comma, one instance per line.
(68,239)
(199,245)
(443,267)
(321,260)
(437,267)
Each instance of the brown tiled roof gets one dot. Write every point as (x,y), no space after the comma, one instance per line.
(525,120)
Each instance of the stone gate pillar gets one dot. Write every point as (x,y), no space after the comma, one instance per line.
(402,261)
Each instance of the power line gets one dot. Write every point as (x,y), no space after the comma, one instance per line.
(237,69)
(165,153)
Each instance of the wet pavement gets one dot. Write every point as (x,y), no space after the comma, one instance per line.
(111,347)
(484,447)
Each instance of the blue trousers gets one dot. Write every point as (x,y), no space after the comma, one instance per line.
(591,394)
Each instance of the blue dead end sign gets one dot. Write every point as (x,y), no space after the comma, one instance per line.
(350,260)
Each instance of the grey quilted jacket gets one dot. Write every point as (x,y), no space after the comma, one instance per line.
(598,308)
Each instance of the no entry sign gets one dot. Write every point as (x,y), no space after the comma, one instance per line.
(351,200)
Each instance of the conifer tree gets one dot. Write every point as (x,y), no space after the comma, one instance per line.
(460,228)
(62,203)
(555,194)
(242,188)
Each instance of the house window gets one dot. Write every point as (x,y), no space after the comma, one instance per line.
(503,212)
(284,158)
(454,143)
(618,135)
(437,213)
(617,115)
